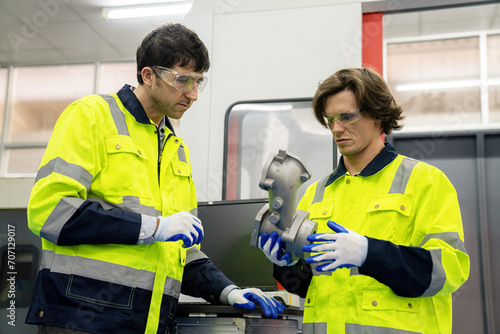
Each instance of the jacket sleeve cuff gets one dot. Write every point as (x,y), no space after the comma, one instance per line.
(225,293)
(148,228)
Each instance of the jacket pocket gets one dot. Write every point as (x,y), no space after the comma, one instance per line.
(392,203)
(394,212)
(99,292)
(126,171)
(321,213)
(384,300)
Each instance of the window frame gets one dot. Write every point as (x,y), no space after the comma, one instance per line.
(230,186)
(482,35)
(5,145)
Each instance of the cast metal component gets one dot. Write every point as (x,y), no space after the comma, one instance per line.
(282,176)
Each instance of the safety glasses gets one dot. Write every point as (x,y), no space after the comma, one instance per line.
(344,118)
(182,81)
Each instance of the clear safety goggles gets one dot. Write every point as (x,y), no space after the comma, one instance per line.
(344,118)
(181,81)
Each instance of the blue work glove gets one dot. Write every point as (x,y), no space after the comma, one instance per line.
(246,298)
(271,246)
(343,249)
(181,225)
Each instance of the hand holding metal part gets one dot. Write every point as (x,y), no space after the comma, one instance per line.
(282,176)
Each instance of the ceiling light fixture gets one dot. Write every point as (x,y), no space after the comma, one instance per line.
(445,85)
(438,85)
(123,12)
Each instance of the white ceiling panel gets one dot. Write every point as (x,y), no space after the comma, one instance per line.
(74,31)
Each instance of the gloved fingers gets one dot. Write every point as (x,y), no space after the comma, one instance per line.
(337,227)
(188,241)
(286,257)
(196,219)
(333,265)
(322,237)
(199,234)
(324,247)
(279,306)
(248,305)
(262,240)
(268,246)
(270,310)
(329,256)
(247,298)
(236,298)
(270,243)
(274,236)
(329,266)
(276,248)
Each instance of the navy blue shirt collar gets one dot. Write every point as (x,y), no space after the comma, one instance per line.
(385,157)
(132,104)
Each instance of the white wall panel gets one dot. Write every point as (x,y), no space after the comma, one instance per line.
(263,54)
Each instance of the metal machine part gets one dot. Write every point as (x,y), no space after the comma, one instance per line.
(282,176)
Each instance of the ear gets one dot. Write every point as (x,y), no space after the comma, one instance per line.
(378,123)
(148,77)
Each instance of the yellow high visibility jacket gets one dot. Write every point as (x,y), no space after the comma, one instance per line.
(101,172)
(416,256)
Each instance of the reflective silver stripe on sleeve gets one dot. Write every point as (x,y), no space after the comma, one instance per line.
(314,328)
(118,116)
(58,217)
(130,203)
(354,271)
(194,212)
(107,272)
(451,238)
(172,287)
(319,273)
(438,276)
(181,154)
(402,176)
(320,190)
(194,254)
(60,166)
(364,329)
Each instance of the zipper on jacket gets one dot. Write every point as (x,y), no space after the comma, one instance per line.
(160,150)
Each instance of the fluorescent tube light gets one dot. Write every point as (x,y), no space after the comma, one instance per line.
(173,8)
(445,85)
(438,85)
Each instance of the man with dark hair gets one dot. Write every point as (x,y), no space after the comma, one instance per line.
(115,205)
(389,251)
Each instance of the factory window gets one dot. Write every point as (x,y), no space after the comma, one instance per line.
(437,82)
(443,67)
(39,95)
(112,77)
(36,96)
(255,130)
(494,77)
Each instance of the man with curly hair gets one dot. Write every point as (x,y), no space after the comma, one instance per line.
(389,250)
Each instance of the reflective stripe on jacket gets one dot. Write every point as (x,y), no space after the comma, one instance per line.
(100,172)
(409,211)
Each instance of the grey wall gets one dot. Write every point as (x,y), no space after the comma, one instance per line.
(471,161)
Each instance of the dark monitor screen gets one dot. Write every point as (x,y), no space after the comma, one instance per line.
(228,226)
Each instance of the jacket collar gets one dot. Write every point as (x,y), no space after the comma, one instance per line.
(134,107)
(385,157)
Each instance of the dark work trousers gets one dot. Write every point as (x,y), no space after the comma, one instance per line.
(44,329)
